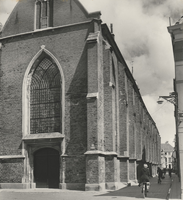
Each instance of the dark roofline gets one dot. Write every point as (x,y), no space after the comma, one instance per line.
(109,36)
(42,30)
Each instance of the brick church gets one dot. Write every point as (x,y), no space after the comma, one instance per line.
(71,114)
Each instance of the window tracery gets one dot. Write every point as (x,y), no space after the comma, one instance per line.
(45,97)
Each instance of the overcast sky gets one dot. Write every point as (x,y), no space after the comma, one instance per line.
(140,28)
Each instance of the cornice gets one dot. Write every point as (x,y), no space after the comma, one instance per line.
(97,152)
(44,30)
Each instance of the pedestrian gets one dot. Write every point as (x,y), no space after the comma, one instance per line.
(160,174)
(170,172)
(144,176)
(164,171)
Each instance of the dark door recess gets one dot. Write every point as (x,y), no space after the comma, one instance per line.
(46,168)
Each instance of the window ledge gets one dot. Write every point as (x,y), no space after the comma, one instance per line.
(12,157)
(41,136)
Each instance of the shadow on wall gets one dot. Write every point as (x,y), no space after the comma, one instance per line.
(76,123)
(77,113)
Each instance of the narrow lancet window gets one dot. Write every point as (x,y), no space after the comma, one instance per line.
(44,14)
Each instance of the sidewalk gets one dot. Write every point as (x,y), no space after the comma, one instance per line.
(175,188)
(156,192)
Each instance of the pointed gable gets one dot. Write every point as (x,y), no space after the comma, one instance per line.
(167,147)
(20,20)
(33,15)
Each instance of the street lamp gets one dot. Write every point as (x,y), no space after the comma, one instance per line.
(172,98)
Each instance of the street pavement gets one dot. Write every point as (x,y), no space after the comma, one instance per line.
(157,191)
(175,190)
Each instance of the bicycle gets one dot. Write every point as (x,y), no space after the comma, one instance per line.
(159,180)
(145,188)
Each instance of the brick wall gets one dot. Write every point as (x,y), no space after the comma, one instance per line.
(72,58)
(75,169)
(124,171)
(122,111)
(114,120)
(132,170)
(109,169)
(11,171)
(92,172)
(108,117)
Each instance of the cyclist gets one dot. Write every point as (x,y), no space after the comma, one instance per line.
(144,176)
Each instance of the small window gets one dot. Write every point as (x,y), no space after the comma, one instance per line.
(44,14)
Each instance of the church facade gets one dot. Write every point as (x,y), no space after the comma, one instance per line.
(72,116)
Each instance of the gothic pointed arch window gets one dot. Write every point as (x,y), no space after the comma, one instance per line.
(44,14)
(45,97)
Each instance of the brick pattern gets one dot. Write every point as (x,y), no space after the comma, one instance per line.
(22,50)
(122,111)
(141,136)
(92,104)
(101,170)
(132,170)
(100,106)
(75,173)
(108,129)
(109,169)
(76,139)
(92,167)
(11,171)
(124,171)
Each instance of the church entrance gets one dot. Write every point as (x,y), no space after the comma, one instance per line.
(46,168)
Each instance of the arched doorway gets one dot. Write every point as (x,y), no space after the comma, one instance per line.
(46,168)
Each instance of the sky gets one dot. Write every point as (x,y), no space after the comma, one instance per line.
(140,28)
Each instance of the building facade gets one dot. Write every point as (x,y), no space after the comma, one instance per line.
(167,156)
(72,116)
(176,32)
